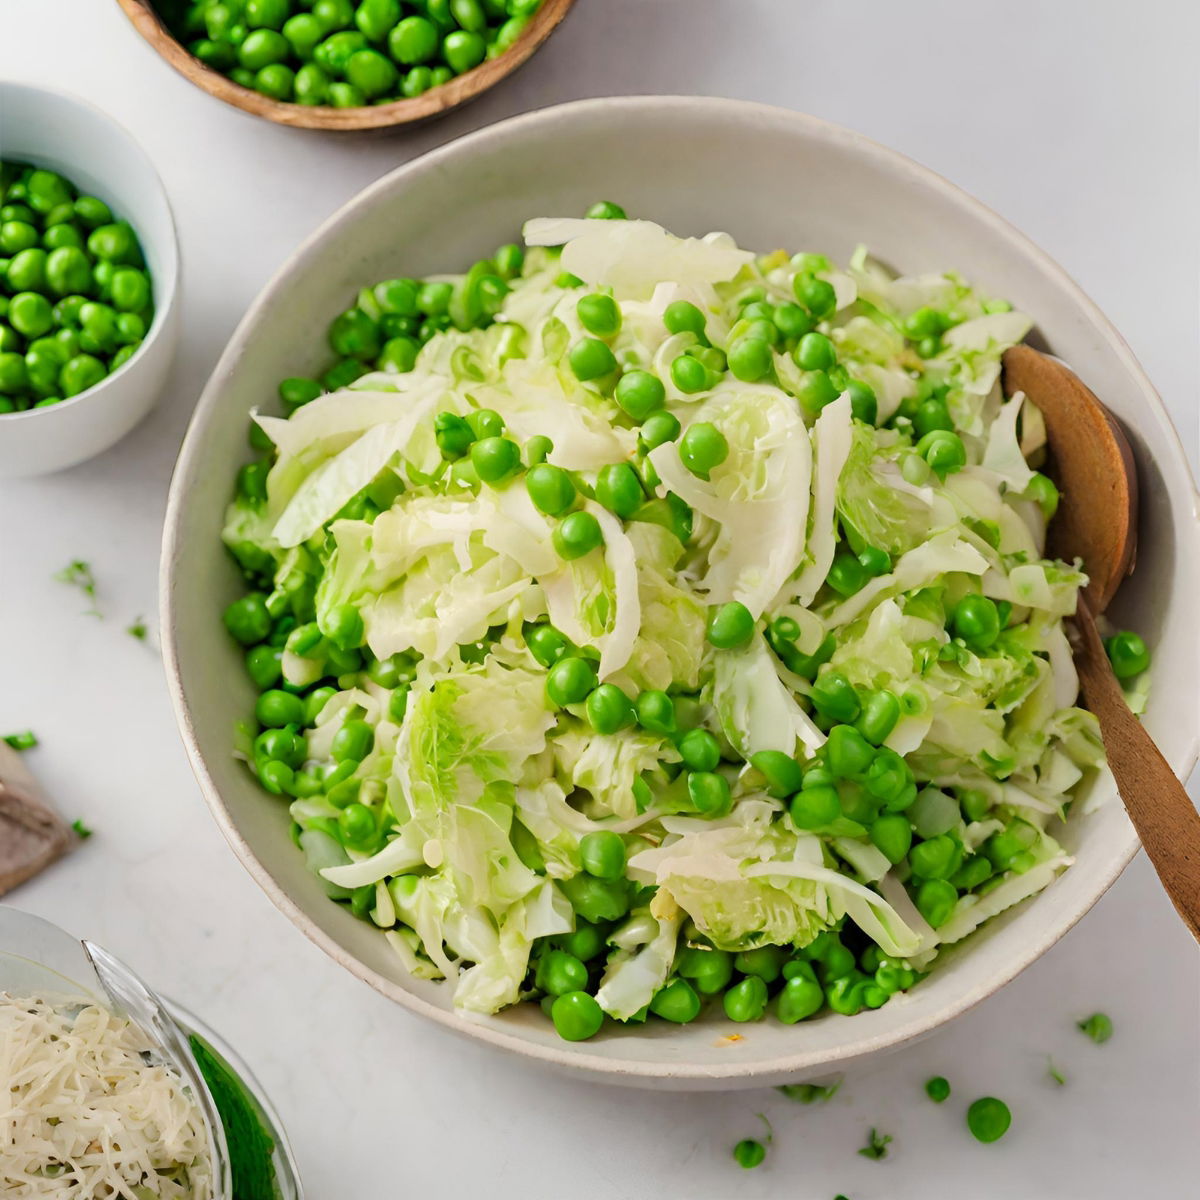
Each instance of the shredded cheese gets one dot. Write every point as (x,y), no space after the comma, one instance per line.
(88,1111)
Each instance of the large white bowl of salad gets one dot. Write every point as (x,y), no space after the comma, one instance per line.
(628,638)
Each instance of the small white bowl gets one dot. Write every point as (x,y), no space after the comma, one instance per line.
(685,162)
(97,155)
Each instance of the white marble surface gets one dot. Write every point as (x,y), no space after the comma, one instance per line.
(1077,120)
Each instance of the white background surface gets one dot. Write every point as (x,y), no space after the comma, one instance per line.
(1076,119)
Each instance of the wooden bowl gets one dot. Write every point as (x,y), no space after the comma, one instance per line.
(432,103)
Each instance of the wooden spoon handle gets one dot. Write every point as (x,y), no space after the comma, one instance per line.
(1161,810)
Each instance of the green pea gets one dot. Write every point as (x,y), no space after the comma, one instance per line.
(576,1015)
(816,392)
(577,534)
(591,359)
(751,359)
(247,619)
(690,375)
(1098,1027)
(709,793)
(1127,653)
(815,352)
(781,772)
(863,404)
(262,48)
(708,970)
(682,316)
(879,715)
(814,807)
(495,458)
(700,750)
(546,644)
(677,1002)
(551,489)
(266,14)
(584,942)
(354,335)
(814,294)
(746,1000)
(835,697)
(931,416)
(935,858)
(46,190)
(413,40)
(14,375)
(336,51)
(602,854)
(439,76)
(847,752)
(846,574)
(730,625)
(570,680)
(334,14)
(609,709)
(1041,489)
(639,394)
(702,448)
(281,745)
(352,742)
(43,369)
(889,779)
(988,1119)
(972,873)
(130,289)
(892,836)
(602,210)
(277,777)
(371,73)
(263,665)
(923,322)
(560,972)
(27,270)
(297,391)
(463,50)
(16,236)
(599,314)
(416,82)
(765,961)
(131,329)
(92,211)
(343,626)
(276,81)
(935,900)
(655,712)
(303,31)
(619,490)
(943,451)
(658,429)
(80,373)
(356,825)
(276,708)
(799,998)
(597,899)
(976,621)
(453,434)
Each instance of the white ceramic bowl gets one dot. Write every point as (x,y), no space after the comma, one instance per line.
(96,154)
(455,205)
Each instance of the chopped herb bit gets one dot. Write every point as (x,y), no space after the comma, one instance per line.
(937,1089)
(877,1145)
(1054,1072)
(137,630)
(81,830)
(1098,1027)
(79,574)
(25,740)
(808,1093)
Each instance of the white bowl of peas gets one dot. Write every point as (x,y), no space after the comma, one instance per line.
(455,206)
(88,278)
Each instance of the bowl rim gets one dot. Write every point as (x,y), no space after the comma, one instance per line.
(459,90)
(628,1069)
(170,246)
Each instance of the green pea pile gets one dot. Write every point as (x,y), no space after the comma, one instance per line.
(75,298)
(343,54)
(852,787)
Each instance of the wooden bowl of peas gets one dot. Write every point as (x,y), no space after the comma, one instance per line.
(345,65)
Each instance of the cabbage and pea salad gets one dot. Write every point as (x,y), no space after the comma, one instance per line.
(642,624)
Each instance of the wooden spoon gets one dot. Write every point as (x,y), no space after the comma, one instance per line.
(1097,522)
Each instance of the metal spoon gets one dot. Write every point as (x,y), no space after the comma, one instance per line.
(1097,522)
